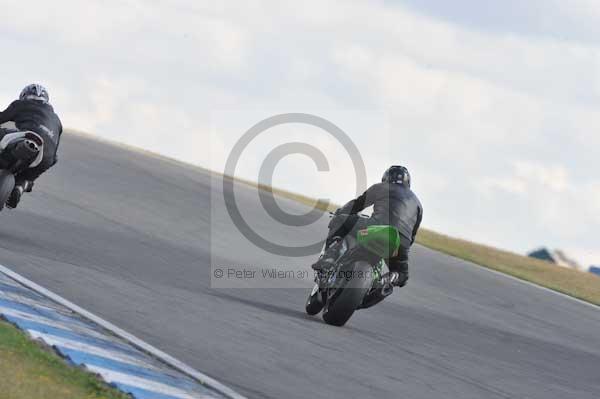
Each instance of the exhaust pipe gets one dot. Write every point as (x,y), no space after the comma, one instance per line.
(26,150)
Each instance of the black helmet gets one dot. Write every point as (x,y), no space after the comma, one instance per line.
(396,174)
(35,92)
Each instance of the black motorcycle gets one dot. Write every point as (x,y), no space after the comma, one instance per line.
(19,150)
(356,281)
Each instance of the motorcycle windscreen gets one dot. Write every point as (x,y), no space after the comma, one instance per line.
(383,241)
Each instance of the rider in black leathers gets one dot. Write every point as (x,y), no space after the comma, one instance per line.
(32,112)
(393,204)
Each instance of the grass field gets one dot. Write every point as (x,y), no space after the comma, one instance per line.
(28,371)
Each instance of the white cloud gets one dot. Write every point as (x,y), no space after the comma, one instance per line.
(563,207)
(498,125)
(553,178)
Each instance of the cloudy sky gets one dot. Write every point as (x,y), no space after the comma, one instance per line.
(492,105)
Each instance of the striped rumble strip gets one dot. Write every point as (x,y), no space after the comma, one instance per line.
(85,343)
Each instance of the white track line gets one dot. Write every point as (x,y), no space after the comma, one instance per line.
(508,276)
(529,283)
(135,341)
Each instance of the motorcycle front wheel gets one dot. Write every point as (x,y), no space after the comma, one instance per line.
(314,303)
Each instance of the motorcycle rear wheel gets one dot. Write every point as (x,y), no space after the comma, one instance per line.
(7,184)
(349,295)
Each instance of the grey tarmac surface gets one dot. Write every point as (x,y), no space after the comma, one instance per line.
(128,237)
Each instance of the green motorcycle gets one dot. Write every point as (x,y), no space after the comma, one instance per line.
(356,281)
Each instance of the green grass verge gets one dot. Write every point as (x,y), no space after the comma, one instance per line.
(28,370)
(581,285)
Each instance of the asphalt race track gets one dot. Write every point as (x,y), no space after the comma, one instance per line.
(128,237)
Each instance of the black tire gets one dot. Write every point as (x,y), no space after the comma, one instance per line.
(349,295)
(7,183)
(314,303)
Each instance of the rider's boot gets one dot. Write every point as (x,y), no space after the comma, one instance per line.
(389,281)
(17,192)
